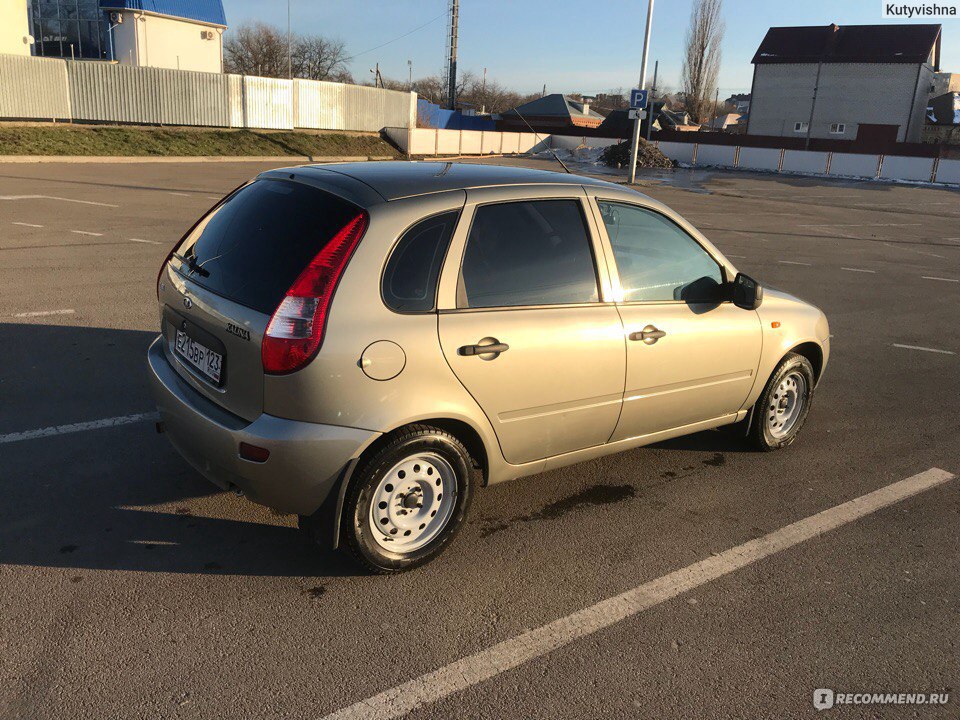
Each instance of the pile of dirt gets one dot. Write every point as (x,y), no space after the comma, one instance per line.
(647,156)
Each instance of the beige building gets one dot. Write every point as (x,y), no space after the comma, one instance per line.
(154,40)
(184,34)
(15,36)
(867,82)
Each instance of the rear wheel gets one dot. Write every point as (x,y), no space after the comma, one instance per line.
(782,408)
(407,502)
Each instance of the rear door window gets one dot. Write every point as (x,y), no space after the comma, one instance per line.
(534,252)
(252,247)
(410,279)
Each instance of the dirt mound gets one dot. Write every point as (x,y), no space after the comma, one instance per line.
(647,156)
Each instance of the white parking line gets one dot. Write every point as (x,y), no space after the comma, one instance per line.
(793,262)
(179,194)
(858,270)
(148,242)
(740,257)
(86,232)
(928,277)
(42,313)
(504,656)
(23,224)
(54,197)
(925,349)
(77,427)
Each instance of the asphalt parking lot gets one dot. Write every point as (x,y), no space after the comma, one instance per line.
(130,587)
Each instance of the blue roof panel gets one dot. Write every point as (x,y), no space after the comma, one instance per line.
(208,11)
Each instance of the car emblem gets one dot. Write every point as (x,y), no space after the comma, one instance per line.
(187,303)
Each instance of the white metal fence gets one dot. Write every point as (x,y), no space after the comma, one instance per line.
(811,162)
(51,89)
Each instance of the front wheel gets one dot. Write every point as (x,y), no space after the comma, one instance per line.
(408,501)
(783,406)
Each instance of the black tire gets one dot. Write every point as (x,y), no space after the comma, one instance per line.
(357,536)
(760,435)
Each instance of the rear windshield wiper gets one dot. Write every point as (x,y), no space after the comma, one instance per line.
(192,265)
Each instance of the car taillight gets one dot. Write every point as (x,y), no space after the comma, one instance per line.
(295,332)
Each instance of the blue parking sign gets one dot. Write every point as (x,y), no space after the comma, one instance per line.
(638,99)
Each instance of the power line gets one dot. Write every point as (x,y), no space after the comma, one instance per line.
(399,37)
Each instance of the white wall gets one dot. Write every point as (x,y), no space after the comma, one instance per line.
(14,27)
(155,41)
(849,93)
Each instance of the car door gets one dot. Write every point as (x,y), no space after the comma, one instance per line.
(692,355)
(528,287)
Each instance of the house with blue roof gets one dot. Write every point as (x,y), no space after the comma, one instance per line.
(177,34)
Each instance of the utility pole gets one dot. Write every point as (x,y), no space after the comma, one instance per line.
(635,147)
(653,92)
(716,104)
(289,45)
(452,54)
(544,91)
(483,93)
(409,75)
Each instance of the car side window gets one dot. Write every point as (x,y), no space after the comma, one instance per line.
(532,252)
(657,260)
(410,278)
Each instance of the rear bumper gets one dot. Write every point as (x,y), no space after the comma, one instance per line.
(306,459)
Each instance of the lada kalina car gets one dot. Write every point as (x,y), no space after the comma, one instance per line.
(366,345)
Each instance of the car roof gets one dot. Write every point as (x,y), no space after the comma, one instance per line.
(393,180)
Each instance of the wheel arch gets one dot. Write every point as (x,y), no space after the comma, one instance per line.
(332,510)
(812,352)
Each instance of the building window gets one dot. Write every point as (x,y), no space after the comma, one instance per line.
(800,127)
(838,129)
(69,29)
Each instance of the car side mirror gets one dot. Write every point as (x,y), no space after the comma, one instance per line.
(747,292)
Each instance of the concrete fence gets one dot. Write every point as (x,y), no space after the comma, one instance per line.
(51,89)
(805,162)
(430,141)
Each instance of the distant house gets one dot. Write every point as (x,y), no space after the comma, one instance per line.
(944,109)
(551,112)
(618,122)
(741,101)
(722,122)
(944,82)
(676,120)
(869,82)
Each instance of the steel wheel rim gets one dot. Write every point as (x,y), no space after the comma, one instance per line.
(786,405)
(413,502)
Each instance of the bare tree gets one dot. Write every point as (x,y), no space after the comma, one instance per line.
(256,49)
(319,58)
(261,49)
(701,62)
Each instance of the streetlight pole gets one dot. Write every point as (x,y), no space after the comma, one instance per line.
(635,147)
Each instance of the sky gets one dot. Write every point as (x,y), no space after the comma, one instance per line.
(569,45)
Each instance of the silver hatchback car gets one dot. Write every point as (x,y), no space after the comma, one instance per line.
(366,344)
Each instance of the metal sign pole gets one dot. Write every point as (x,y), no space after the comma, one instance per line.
(635,147)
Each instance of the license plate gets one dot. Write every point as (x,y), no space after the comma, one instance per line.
(201,357)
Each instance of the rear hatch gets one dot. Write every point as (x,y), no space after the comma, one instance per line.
(227,276)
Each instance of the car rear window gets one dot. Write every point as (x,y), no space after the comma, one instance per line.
(252,247)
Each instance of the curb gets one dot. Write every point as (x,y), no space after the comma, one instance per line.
(128,159)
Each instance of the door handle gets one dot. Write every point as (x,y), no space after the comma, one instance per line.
(492,348)
(649,335)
